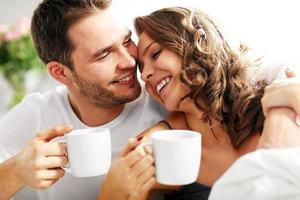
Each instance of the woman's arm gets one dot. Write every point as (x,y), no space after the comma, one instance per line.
(283,93)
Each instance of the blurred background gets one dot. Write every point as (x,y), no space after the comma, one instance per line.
(270,27)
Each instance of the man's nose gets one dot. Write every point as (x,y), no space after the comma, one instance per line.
(127,58)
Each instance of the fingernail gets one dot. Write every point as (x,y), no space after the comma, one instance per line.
(67,165)
(139,138)
(131,140)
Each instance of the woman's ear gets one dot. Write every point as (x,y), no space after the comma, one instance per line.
(59,72)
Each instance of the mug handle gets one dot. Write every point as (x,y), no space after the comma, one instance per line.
(66,167)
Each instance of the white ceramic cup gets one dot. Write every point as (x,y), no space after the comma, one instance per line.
(88,151)
(177,155)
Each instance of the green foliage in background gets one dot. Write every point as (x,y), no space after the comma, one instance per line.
(17,56)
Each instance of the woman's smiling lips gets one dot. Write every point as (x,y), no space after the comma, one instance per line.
(162,83)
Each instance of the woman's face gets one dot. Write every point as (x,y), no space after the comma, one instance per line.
(160,69)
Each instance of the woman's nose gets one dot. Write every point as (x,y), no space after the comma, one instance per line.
(147,72)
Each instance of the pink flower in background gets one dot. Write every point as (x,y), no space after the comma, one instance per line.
(21,28)
(3,29)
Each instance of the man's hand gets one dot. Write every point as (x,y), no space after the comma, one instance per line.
(39,163)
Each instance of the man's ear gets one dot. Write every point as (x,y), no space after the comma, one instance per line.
(59,72)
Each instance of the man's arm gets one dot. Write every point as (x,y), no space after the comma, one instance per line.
(10,182)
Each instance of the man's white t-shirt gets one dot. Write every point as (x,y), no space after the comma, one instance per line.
(39,111)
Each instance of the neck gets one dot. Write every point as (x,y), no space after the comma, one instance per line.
(188,107)
(193,117)
(250,144)
(92,115)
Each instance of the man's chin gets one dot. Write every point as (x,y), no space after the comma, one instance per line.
(131,97)
(131,94)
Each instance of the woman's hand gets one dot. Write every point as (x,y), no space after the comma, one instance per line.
(280,130)
(131,176)
(283,93)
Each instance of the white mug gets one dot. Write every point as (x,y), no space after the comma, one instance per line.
(88,151)
(177,155)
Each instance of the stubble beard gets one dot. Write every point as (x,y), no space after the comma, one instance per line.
(102,97)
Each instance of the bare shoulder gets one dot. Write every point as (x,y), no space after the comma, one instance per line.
(176,120)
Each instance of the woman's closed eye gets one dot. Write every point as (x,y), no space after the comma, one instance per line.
(156,54)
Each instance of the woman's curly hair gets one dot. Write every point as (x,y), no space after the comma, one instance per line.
(218,76)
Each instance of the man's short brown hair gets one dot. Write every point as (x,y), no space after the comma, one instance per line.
(51,22)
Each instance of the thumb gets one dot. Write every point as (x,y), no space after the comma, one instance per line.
(290,74)
(51,133)
(132,143)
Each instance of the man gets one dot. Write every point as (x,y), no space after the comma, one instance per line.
(89,51)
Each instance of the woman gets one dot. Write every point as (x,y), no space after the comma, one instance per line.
(188,66)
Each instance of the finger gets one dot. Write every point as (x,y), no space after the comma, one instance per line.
(45,184)
(143,190)
(290,74)
(148,149)
(147,186)
(134,156)
(146,175)
(272,100)
(132,143)
(49,134)
(51,174)
(54,162)
(54,149)
(275,85)
(143,164)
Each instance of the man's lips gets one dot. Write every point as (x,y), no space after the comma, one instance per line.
(126,79)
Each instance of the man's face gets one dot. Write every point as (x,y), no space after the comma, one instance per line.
(104,60)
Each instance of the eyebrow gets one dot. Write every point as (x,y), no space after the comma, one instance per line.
(140,63)
(147,48)
(101,51)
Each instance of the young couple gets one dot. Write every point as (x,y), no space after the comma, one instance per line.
(187,65)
